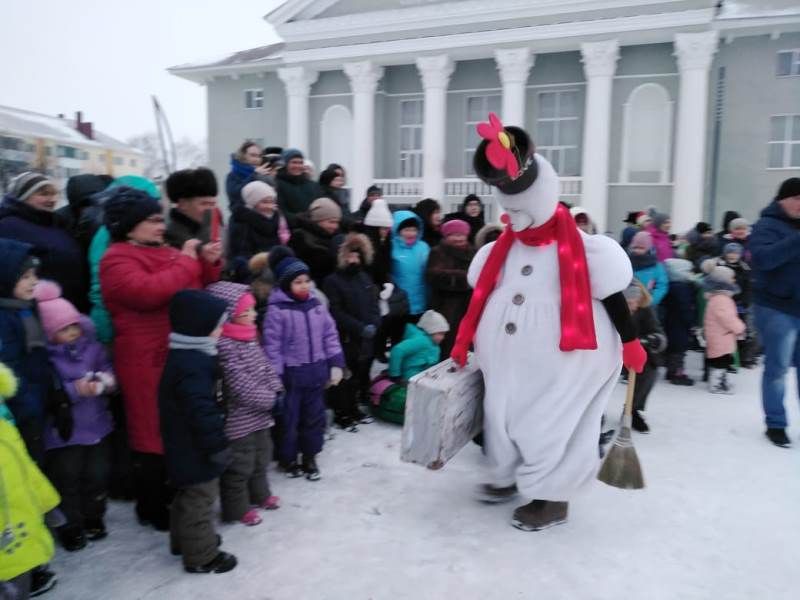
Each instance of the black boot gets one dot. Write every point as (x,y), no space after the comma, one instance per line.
(42,581)
(540,514)
(310,468)
(777,435)
(491,494)
(95,529)
(346,422)
(221,563)
(292,470)
(72,537)
(638,423)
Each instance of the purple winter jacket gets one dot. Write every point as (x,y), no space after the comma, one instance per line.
(72,362)
(301,340)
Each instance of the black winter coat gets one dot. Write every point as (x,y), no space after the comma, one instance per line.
(315,247)
(181,229)
(353,301)
(295,195)
(381,267)
(449,291)
(250,232)
(650,333)
(743,279)
(192,421)
(679,309)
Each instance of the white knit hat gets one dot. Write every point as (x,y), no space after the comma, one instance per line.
(255,191)
(432,322)
(379,214)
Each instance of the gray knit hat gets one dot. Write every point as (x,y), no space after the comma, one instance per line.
(433,322)
(738,223)
(324,208)
(721,279)
(25,185)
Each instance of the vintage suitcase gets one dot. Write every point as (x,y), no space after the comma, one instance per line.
(444,411)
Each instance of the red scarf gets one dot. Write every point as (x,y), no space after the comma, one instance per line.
(577,320)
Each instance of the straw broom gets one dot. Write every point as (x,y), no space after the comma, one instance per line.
(621,468)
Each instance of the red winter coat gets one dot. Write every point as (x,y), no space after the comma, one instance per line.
(137,283)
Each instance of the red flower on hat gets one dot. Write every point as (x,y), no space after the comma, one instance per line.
(498,150)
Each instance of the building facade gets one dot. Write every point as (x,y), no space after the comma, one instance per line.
(60,148)
(691,106)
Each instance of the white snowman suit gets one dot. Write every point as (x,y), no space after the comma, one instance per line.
(543,406)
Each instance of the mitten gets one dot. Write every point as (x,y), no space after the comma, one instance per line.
(386,291)
(336,376)
(634,355)
(280,402)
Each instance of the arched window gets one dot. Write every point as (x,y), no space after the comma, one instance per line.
(647,136)
(336,137)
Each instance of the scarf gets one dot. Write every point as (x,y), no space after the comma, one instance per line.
(241,169)
(206,345)
(34,333)
(643,261)
(238,332)
(577,320)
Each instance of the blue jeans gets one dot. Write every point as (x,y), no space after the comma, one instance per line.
(780,336)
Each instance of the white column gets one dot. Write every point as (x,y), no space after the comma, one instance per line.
(364,77)
(298,81)
(695,52)
(599,64)
(514,64)
(435,72)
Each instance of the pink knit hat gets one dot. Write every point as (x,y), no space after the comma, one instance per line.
(54,312)
(454,227)
(642,240)
(245,303)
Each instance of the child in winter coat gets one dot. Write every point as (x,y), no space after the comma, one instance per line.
(409,260)
(22,343)
(353,300)
(77,458)
(301,342)
(192,428)
(25,542)
(249,389)
(418,351)
(679,316)
(733,258)
(654,341)
(647,268)
(722,326)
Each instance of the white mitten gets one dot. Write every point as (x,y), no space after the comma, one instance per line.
(107,379)
(336,375)
(386,292)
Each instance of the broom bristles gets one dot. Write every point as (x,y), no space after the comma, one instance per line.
(621,468)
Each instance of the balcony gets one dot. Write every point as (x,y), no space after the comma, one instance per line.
(406,192)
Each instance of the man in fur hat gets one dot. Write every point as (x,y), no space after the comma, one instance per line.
(193,192)
(551,329)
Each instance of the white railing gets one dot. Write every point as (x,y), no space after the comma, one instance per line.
(409,191)
(395,190)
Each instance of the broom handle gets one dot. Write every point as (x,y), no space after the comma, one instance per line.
(629,396)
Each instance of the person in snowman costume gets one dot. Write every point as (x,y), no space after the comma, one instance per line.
(551,331)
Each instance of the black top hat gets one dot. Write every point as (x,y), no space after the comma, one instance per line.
(524,148)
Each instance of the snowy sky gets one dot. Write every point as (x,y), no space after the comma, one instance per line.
(107,57)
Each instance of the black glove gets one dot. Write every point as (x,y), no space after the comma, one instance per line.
(221,458)
(277,408)
(369,331)
(61,410)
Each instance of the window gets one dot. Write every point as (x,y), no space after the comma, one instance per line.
(788,63)
(647,127)
(67,152)
(557,130)
(118,160)
(254,98)
(784,142)
(411,138)
(132,162)
(478,107)
(10,143)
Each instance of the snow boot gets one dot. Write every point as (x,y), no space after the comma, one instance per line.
(491,494)
(777,435)
(540,514)
(310,468)
(359,416)
(718,382)
(638,423)
(72,537)
(95,529)
(292,470)
(42,581)
(271,503)
(681,378)
(250,518)
(221,563)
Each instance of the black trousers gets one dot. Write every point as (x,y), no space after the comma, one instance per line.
(31,432)
(80,474)
(644,385)
(153,494)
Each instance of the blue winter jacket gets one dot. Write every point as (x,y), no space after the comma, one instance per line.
(651,274)
(240,175)
(409,263)
(775,249)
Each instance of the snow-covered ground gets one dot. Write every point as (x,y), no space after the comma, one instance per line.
(719,519)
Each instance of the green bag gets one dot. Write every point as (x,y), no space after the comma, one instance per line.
(392,406)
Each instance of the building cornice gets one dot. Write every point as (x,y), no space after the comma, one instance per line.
(436,16)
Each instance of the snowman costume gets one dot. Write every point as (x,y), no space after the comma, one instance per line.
(547,384)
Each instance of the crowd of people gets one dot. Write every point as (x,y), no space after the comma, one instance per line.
(161,355)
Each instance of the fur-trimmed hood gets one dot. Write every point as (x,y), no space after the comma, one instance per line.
(355,242)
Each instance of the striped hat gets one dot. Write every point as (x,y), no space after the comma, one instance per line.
(25,185)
